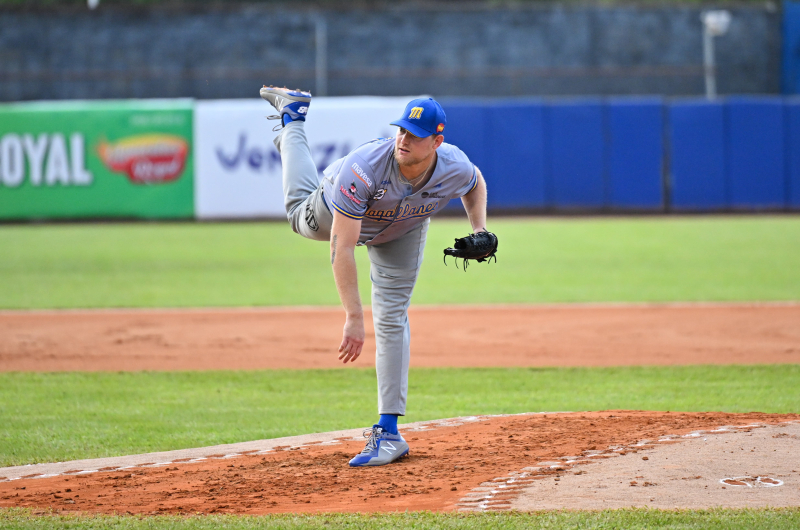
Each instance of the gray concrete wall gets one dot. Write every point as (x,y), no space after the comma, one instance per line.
(476,50)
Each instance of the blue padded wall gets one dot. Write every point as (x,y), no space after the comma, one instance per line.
(742,152)
(792,115)
(756,155)
(515,169)
(636,153)
(697,155)
(575,153)
(468,129)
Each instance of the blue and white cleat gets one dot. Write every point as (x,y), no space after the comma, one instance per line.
(382,448)
(291,103)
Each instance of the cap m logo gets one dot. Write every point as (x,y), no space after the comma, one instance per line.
(416,113)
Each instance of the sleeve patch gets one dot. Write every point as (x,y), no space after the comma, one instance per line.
(360,174)
(350,193)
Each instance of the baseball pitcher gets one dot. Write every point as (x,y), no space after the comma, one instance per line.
(382,195)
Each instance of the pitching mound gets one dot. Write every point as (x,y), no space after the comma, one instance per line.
(727,467)
(530,461)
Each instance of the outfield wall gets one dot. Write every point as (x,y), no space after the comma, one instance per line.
(238,166)
(96,159)
(648,154)
(183,159)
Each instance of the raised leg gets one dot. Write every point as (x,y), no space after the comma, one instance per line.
(305,206)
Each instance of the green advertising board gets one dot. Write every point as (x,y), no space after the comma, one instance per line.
(128,159)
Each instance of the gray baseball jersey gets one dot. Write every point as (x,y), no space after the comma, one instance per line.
(367,185)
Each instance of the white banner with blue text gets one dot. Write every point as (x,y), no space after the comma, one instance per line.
(238,168)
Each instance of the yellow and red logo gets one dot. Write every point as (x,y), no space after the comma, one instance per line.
(440,127)
(147,158)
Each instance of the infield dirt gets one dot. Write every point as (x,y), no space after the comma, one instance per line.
(264,338)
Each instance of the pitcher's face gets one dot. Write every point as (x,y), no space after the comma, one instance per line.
(410,150)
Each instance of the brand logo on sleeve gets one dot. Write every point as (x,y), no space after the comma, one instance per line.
(350,194)
(361,174)
(379,195)
(415,114)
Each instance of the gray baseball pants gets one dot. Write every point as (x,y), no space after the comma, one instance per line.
(394,266)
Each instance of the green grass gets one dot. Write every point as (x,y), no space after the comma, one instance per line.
(62,416)
(767,518)
(539,260)
(46,417)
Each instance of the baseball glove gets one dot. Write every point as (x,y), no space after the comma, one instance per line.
(481,246)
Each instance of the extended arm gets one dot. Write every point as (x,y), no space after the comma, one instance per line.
(475,204)
(344,236)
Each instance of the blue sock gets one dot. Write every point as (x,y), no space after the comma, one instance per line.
(389,423)
(286,119)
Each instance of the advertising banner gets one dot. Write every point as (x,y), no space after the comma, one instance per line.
(95,160)
(238,167)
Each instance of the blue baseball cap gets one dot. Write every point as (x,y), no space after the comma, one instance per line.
(422,118)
